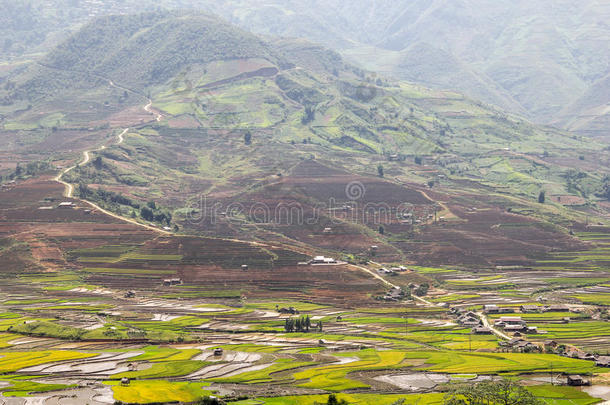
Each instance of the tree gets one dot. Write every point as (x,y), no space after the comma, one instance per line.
(418,160)
(309,116)
(147,214)
(381,230)
(98,163)
(332,400)
(504,392)
(248,138)
(380,170)
(541,197)
(210,401)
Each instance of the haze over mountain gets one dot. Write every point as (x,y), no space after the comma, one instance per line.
(537,58)
(546,60)
(192,212)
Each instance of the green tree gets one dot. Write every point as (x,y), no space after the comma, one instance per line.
(541,197)
(248,138)
(98,163)
(147,214)
(503,392)
(332,400)
(380,170)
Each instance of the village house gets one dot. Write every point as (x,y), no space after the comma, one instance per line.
(529,309)
(469,319)
(603,361)
(550,345)
(577,381)
(481,330)
(172,281)
(505,321)
(322,260)
(520,345)
(555,308)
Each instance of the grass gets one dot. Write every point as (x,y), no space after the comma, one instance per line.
(156,353)
(359,399)
(254,348)
(23,388)
(500,363)
(595,299)
(165,369)
(576,330)
(158,391)
(333,377)
(264,375)
(14,361)
(299,306)
(562,395)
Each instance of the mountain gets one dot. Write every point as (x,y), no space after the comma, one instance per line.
(543,60)
(279,139)
(532,58)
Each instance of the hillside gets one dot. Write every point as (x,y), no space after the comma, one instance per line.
(251,121)
(532,58)
(542,60)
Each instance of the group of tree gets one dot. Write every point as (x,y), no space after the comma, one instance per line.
(503,392)
(149,212)
(30,169)
(422,289)
(99,194)
(301,324)
(605,189)
(333,400)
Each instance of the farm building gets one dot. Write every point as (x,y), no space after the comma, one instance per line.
(510,320)
(469,319)
(491,309)
(514,328)
(555,308)
(322,260)
(395,294)
(577,381)
(218,351)
(520,344)
(550,344)
(66,204)
(603,361)
(481,330)
(327,230)
(172,281)
(529,309)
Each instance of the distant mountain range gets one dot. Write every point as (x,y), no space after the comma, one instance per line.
(547,60)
